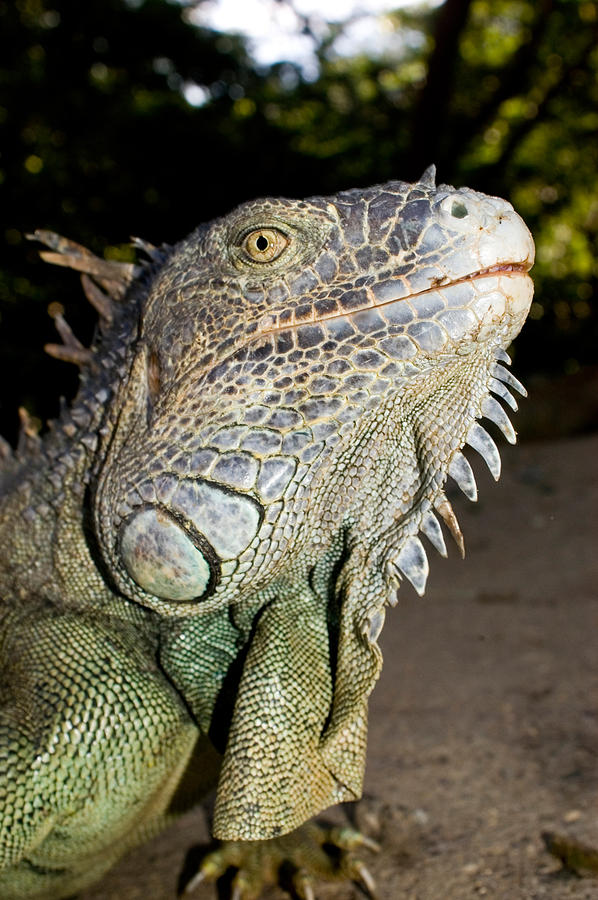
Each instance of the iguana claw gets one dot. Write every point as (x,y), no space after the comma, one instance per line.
(195,881)
(303,886)
(349,838)
(363,874)
(295,860)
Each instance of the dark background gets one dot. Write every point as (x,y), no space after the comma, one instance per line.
(98,142)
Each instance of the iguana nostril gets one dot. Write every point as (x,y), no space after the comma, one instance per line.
(459,210)
(161,557)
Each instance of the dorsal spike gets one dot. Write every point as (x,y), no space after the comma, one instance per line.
(156,254)
(107,272)
(29,441)
(428,179)
(100,301)
(59,243)
(6,452)
(71,349)
(80,358)
(114,276)
(56,312)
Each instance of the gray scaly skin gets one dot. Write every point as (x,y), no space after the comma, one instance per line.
(197,559)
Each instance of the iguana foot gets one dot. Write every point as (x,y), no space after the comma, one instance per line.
(295,861)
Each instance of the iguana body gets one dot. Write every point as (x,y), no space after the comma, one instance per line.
(197,559)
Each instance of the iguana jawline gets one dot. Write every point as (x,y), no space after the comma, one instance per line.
(516,269)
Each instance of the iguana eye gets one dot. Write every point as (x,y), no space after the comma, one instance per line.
(265,244)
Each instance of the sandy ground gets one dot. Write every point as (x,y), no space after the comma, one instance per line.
(484,727)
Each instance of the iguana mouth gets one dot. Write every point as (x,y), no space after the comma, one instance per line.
(270,323)
(514,268)
(521,268)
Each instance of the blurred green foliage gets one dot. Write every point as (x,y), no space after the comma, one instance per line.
(98,142)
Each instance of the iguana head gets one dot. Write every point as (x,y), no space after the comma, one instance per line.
(281,351)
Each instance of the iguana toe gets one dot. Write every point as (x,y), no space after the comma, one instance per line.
(295,861)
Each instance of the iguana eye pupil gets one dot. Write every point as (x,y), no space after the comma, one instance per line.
(265,244)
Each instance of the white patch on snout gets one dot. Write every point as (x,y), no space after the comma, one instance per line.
(509,295)
(498,234)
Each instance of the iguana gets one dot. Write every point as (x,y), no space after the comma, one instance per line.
(198,557)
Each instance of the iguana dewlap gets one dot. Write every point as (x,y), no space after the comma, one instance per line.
(197,559)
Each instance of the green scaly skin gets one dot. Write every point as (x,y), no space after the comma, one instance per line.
(197,559)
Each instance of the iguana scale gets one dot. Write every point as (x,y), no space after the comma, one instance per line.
(197,558)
